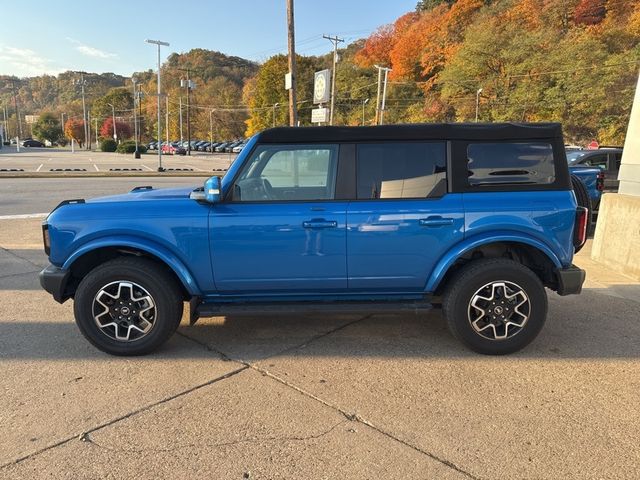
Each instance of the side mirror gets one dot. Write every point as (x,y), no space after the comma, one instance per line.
(212,190)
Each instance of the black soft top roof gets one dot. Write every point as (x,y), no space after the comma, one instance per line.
(418,131)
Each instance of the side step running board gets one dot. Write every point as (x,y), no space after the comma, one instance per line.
(271,308)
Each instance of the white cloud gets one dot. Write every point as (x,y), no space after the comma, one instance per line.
(91,51)
(24,62)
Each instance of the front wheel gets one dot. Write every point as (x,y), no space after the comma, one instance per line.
(495,306)
(128,306)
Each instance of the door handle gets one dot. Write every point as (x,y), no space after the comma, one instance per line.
(435,221)
(320,223)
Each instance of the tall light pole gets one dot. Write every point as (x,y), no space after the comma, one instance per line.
(275,105)
(113,120)
(135,118)
(478,102)
(384,91)
(159,43)
(181,138)
(190,86)
(335,41)
(364,102)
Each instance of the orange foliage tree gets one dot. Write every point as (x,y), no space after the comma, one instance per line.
(74,128)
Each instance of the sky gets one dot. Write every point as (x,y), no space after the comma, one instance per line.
(45,36)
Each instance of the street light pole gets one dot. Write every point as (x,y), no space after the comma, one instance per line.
(364,102)
(82,82)
(166,44)
(211,130)
(478,102)
(275,105)
(384,94)
(113,120)
(135,118)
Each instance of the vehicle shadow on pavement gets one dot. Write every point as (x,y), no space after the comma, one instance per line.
(592,325)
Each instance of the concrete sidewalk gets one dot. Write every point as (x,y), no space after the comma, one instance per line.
(381,396)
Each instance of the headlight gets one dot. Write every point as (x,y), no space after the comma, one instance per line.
(46,239)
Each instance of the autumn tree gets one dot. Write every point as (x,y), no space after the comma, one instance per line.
(123,130)
(589,12)
(74,128)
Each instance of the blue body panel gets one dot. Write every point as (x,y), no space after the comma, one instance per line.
(394,244)
(164,223)
(588,176)
(259,248)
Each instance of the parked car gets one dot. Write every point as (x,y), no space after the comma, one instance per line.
(203,146)
(32,143)
(220,148)
(606,159)
(238,148)
(173,149)
(212,147)
(333,219)
(152,145)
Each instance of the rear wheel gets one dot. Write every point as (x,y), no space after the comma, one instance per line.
(495,306)
(128,306)
(582,197)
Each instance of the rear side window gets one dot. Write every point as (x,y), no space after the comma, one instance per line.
(401,170)
(510,163)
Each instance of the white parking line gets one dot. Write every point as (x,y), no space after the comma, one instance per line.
(150,169)
(41,165)
(25,215)
(96,167)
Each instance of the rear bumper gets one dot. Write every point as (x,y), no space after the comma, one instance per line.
(570,280)
(54,280)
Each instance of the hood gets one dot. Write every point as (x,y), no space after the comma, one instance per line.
(140,194)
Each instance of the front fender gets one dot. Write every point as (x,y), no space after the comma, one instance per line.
(158,251)
(469,244)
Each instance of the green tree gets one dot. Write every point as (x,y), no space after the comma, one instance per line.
(47,127)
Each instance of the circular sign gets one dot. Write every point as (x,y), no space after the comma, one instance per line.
(319,88)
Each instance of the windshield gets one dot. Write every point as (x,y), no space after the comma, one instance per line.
(573,157)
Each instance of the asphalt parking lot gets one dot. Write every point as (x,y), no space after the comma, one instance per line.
(43,161)
(376,396)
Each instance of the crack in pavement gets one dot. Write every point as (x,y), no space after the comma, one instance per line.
(313,338)
(30,272)
(20,258)
(123,417)
(348,415)
(86,438)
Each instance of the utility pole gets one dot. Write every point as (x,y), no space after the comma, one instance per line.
(335,41)
(380,108)
(189,85)
(82,82)
(140,113)
(293,110)
(166,44)
(62,124)
(181,138)
(15,104)
(6,124)
(96,130)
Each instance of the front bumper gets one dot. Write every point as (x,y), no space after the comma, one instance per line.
(54,280)
(570,280)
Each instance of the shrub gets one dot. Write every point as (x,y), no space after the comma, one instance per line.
(130,147)
(108,145)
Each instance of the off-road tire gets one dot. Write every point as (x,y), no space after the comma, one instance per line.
(162,287)
(462,287)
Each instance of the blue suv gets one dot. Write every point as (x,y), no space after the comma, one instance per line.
(476,218)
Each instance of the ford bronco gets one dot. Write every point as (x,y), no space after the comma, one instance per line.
(477,218)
